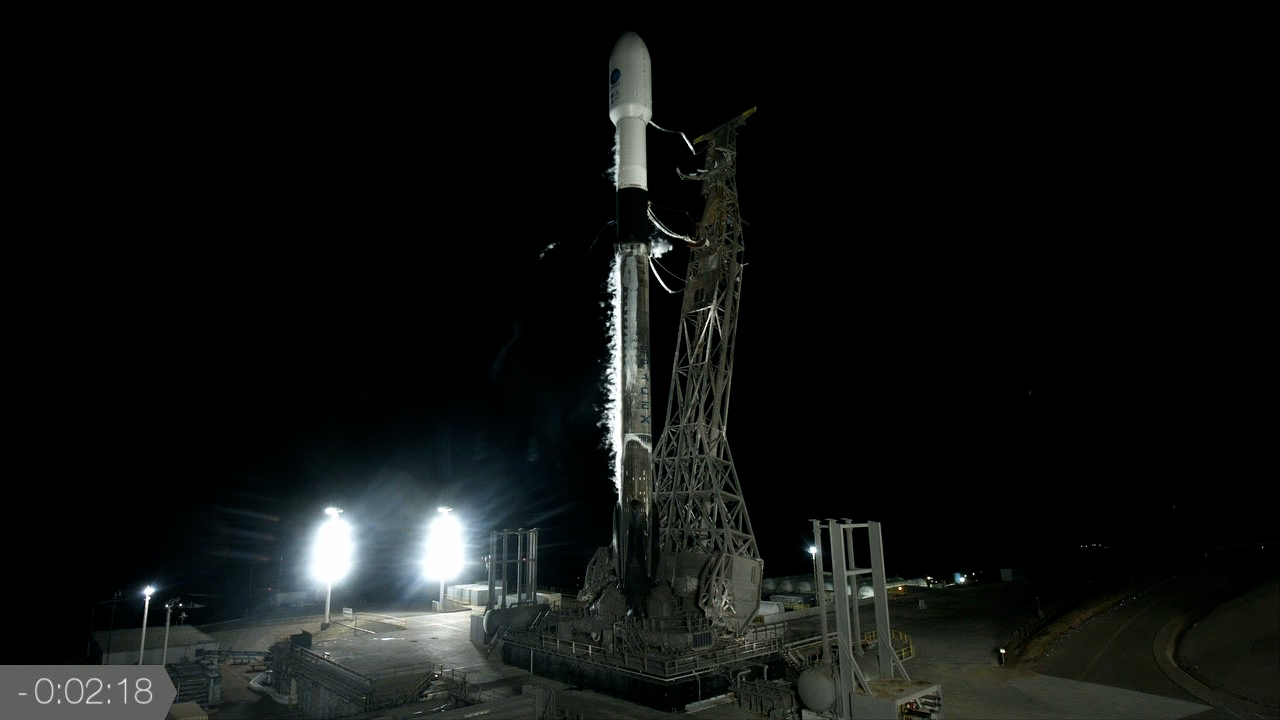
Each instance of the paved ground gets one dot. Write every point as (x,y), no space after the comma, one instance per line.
(956,641)
(1236,648)
(956,636)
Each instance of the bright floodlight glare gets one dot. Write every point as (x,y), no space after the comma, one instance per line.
(444,559)
(331,554)
(813,550)
(148,591)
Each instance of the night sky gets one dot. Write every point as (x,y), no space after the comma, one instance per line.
(273,275)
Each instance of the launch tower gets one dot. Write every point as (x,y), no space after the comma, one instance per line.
(705,547)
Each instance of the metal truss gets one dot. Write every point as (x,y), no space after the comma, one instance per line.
(697,497)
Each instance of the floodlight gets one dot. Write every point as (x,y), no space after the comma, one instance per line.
(331,553)
(444,555)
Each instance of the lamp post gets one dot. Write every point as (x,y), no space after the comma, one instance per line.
(146,605)
(819,577)
(168,612)
(331,556)
(93,626)
(111,629)
(819,582)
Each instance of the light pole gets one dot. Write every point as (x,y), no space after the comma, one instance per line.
(168,612)
(146,605)
(819,582)
(93,626)
(331,556)
(111,629)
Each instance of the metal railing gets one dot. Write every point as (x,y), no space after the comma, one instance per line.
(389,687)
(342,680)
(903,646)
(402,684)
(800,654)
(764,641)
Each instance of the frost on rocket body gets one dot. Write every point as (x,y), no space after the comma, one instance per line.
(612,172)
(613,388)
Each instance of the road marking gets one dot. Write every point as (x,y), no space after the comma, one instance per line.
(447,627)
(1111,639)
(1063,698)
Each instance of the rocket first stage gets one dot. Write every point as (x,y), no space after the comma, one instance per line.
(630,109)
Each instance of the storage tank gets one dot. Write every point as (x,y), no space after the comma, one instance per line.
(817,688)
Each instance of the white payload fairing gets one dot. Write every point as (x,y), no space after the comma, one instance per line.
(630,109)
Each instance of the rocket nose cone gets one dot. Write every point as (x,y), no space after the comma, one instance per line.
(629,43)
(630,79)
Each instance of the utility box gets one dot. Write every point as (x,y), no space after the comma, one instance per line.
(897,699)
(477,631)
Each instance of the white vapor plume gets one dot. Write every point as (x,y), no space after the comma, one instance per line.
(612,172)
(613,374)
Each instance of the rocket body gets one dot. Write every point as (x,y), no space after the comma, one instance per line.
(630,109)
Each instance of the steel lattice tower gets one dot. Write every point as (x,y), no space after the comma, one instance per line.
(697,497)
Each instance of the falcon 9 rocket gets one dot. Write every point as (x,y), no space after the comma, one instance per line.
(630,109)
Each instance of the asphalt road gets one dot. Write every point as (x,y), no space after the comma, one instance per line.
(1130,646)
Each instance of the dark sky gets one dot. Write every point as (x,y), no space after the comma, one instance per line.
(275,273)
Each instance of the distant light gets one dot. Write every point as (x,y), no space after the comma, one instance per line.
(1001,651)
(148,591)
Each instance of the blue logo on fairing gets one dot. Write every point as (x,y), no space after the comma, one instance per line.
(613,76)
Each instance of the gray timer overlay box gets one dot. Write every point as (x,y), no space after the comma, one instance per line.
(68,689)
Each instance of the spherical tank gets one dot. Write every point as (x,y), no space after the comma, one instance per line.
(785,586)
(769,585)
(804,586)
(817,688)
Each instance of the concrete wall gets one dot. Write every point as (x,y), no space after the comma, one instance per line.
(152,657)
